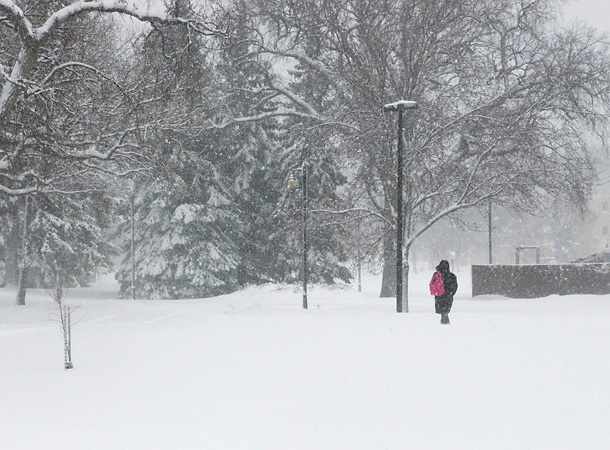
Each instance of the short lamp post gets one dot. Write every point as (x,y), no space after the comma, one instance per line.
(133,247)
(293,184)
(489,230)
(400,107)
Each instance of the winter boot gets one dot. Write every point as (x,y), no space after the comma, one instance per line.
(445,319)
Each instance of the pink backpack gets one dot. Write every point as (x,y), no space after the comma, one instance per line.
(436,285)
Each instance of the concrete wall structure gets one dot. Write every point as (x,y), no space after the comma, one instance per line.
(532,281)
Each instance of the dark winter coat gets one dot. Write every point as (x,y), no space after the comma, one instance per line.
(443,303)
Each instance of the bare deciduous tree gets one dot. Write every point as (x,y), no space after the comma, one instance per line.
(71,114)
(504,100)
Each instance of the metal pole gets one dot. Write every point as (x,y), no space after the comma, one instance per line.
(305,274)
(133,246)
(490,237)
(399,217)
(400,107)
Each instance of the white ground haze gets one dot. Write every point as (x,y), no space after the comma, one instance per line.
(253,370)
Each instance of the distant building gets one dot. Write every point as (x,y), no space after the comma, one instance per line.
(595,232)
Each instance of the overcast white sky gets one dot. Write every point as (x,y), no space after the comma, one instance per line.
(594,12)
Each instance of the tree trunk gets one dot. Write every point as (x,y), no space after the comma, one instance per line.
(21,70)
(23,281)
(16,272)
(388,280)
(23,266)
(12,242)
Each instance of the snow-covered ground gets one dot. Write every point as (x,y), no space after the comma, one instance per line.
(253,370)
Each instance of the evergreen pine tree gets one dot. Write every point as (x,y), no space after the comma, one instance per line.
(184,242)
(186,221)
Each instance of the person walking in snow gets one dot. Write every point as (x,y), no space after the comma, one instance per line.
(443,303)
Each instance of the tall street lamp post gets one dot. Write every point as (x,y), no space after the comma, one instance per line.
(400,106)
(292,184)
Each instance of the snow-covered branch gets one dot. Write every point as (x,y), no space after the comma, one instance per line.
(117,6)
(14,81)
(457,206)
(313,63)
(367,213)
(311,112)
(257,117)
(17,18)
(19,191)
(61,67)
(32,39)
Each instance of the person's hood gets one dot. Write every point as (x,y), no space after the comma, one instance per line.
(443,266)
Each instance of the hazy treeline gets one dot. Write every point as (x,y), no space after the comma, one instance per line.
(197,115)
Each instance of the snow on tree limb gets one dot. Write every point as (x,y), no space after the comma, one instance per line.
(299,101)
(8,78)
(72,64)
(457,206)
(32,38)
(313,63)
(258,117)
(362,213)
(15,192)
(15,15)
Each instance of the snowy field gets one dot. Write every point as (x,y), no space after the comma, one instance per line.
(253,370)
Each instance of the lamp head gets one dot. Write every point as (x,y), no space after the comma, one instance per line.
(401,105)
(292,182)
